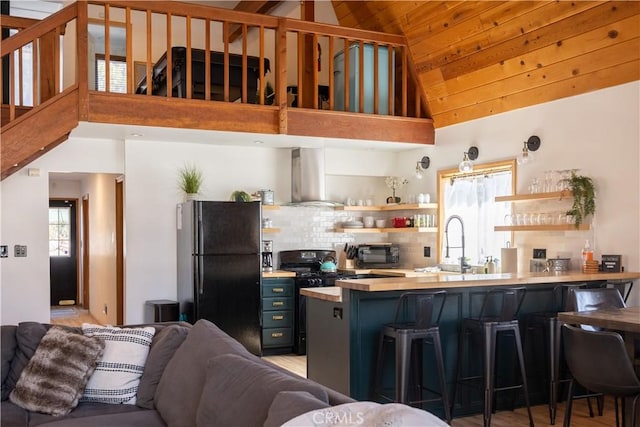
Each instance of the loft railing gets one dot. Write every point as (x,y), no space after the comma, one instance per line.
(31,72)
(301,64)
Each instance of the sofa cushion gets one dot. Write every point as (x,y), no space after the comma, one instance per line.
(139,418)
(28,336)
(233,382)
(53,380)
(290,404)
(178,393)
(118,373)
(164,345)
(83,410)
(8,347)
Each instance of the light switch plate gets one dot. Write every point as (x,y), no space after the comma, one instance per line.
(20,250)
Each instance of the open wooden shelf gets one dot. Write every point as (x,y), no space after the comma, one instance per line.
(271,230)
(557,195)
(550,227)
(388,230)
(390,207)
(270,207)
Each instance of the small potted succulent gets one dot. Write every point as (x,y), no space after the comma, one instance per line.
(190,181)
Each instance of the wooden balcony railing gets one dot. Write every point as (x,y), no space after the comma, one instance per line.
(379,69)
(182,70)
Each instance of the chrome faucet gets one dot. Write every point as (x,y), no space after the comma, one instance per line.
(464,267)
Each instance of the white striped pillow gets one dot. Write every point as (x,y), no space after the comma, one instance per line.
(118,372)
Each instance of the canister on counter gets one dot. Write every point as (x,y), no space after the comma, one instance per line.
(266,196)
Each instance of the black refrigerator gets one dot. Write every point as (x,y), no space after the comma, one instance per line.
(220,267)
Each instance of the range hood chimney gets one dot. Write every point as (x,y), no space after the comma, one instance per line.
(307,175)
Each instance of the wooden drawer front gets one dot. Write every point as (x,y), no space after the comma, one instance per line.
(281,289)
(277,337)
(282,303)
(277,319)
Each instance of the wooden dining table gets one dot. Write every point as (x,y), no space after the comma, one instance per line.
(625,320)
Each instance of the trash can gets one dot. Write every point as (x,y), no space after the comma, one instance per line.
(161,310)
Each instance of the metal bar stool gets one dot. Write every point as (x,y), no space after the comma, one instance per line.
(498,315)
(417,318)
(550,326)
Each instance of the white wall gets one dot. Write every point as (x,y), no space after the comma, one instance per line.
(596,132)
(24,285)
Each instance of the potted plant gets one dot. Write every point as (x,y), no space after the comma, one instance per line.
(394,183)
(190,181)
(584,197)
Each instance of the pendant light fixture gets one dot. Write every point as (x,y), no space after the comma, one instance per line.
(421,165)
(466,165)
(530,145)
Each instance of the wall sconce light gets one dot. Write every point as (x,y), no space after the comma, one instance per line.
(530,145)
(465,164)
(421,165)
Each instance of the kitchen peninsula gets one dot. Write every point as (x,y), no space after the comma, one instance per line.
(344,323)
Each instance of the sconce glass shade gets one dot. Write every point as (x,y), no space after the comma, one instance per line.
(530,145)
(421,165)
(466,165)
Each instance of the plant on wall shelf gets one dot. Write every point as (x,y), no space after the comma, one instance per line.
(190,180)
(394,183)
(584,197)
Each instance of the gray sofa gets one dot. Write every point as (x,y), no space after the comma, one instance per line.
(194,376)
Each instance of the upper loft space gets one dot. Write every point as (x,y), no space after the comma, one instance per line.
(93,62)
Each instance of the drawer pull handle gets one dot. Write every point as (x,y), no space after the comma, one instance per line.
(277,335)
(280,317)
(277,304)
(277,290)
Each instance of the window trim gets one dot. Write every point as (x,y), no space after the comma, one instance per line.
(478,169)
(112,58)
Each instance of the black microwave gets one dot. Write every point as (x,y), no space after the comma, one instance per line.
(378,256)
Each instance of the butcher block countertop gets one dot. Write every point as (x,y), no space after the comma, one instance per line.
(448,280)
(329,293)
(277,274)
(392,272)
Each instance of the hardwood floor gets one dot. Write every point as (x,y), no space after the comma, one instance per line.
(73,316)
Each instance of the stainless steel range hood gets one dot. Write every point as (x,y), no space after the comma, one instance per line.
(307,177)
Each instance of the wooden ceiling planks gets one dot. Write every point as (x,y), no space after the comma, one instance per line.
(476,59)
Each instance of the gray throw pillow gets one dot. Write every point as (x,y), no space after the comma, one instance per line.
(28,336)
(164,345)
(289,404)
(180,387)
(233,380)
(53,380)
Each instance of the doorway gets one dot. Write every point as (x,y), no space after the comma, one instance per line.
(63,258)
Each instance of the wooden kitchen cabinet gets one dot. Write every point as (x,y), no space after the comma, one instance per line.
(535,197)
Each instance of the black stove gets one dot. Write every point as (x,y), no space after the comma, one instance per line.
(306,264)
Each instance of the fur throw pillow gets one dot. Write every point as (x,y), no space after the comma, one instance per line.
(55,377)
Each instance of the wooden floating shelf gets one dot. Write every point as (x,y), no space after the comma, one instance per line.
(270,207)
(552,227)
(270,230)
(399,207)
(554,195)
(388,230)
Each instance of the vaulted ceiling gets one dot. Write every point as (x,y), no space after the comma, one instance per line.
(479,58)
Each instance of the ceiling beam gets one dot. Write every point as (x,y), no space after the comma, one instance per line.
(251,6)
